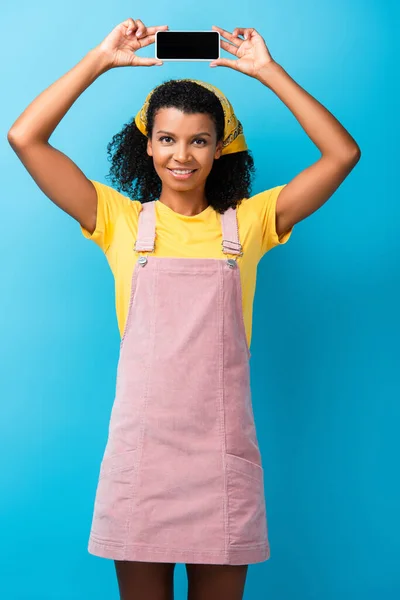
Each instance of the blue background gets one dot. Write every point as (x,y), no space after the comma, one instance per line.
(325,348)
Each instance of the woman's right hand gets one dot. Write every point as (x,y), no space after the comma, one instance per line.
(121,45)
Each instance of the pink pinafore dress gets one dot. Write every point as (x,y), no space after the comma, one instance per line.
(181,478)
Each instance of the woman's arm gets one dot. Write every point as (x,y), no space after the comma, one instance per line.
(313,186)
(56,174)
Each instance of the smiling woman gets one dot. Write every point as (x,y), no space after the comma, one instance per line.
(184,257)
(185,130)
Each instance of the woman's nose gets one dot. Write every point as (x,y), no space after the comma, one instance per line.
(182,153)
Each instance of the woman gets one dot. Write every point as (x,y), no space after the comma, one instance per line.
(181,478)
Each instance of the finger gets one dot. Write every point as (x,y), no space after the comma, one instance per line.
(149,39)
(152,30)
(226,34)
(244,31)
(141,28)
(142,34)
(239,31)
(130,25)
(129,21)
(224,62)
(229,47)
(140,61)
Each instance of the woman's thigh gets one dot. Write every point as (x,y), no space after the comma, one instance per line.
(144,580)
(216,582)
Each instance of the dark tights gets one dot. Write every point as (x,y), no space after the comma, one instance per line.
(155,581)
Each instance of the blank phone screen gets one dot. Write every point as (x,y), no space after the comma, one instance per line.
(189,45)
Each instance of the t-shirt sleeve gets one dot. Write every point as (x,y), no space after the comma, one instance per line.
(110,204)
(264,204)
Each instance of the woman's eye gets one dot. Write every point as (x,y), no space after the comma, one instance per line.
(167,137)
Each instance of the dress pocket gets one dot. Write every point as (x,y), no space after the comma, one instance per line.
(247,521)
(113,497)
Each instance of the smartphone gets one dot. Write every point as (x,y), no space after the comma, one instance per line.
(187,45)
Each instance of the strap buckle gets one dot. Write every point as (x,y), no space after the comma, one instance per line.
(237,250)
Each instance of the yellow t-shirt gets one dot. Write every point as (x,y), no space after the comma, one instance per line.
(177,235)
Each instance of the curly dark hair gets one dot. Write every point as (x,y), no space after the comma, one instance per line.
(229,180)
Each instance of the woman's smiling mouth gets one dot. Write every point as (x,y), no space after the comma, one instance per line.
(181,173)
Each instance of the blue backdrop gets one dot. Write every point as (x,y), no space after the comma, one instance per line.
(325,349)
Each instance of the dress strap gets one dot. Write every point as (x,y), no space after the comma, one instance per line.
(230,232)
(146,232)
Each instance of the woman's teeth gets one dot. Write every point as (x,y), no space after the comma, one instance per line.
(182,174)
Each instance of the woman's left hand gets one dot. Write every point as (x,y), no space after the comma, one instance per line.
(251,52)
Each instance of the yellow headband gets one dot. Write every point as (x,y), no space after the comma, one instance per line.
(234,140)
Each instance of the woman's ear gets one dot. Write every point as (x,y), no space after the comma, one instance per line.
(149,147)
(218,149)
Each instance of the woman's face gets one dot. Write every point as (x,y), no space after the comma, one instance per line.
(183,141)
